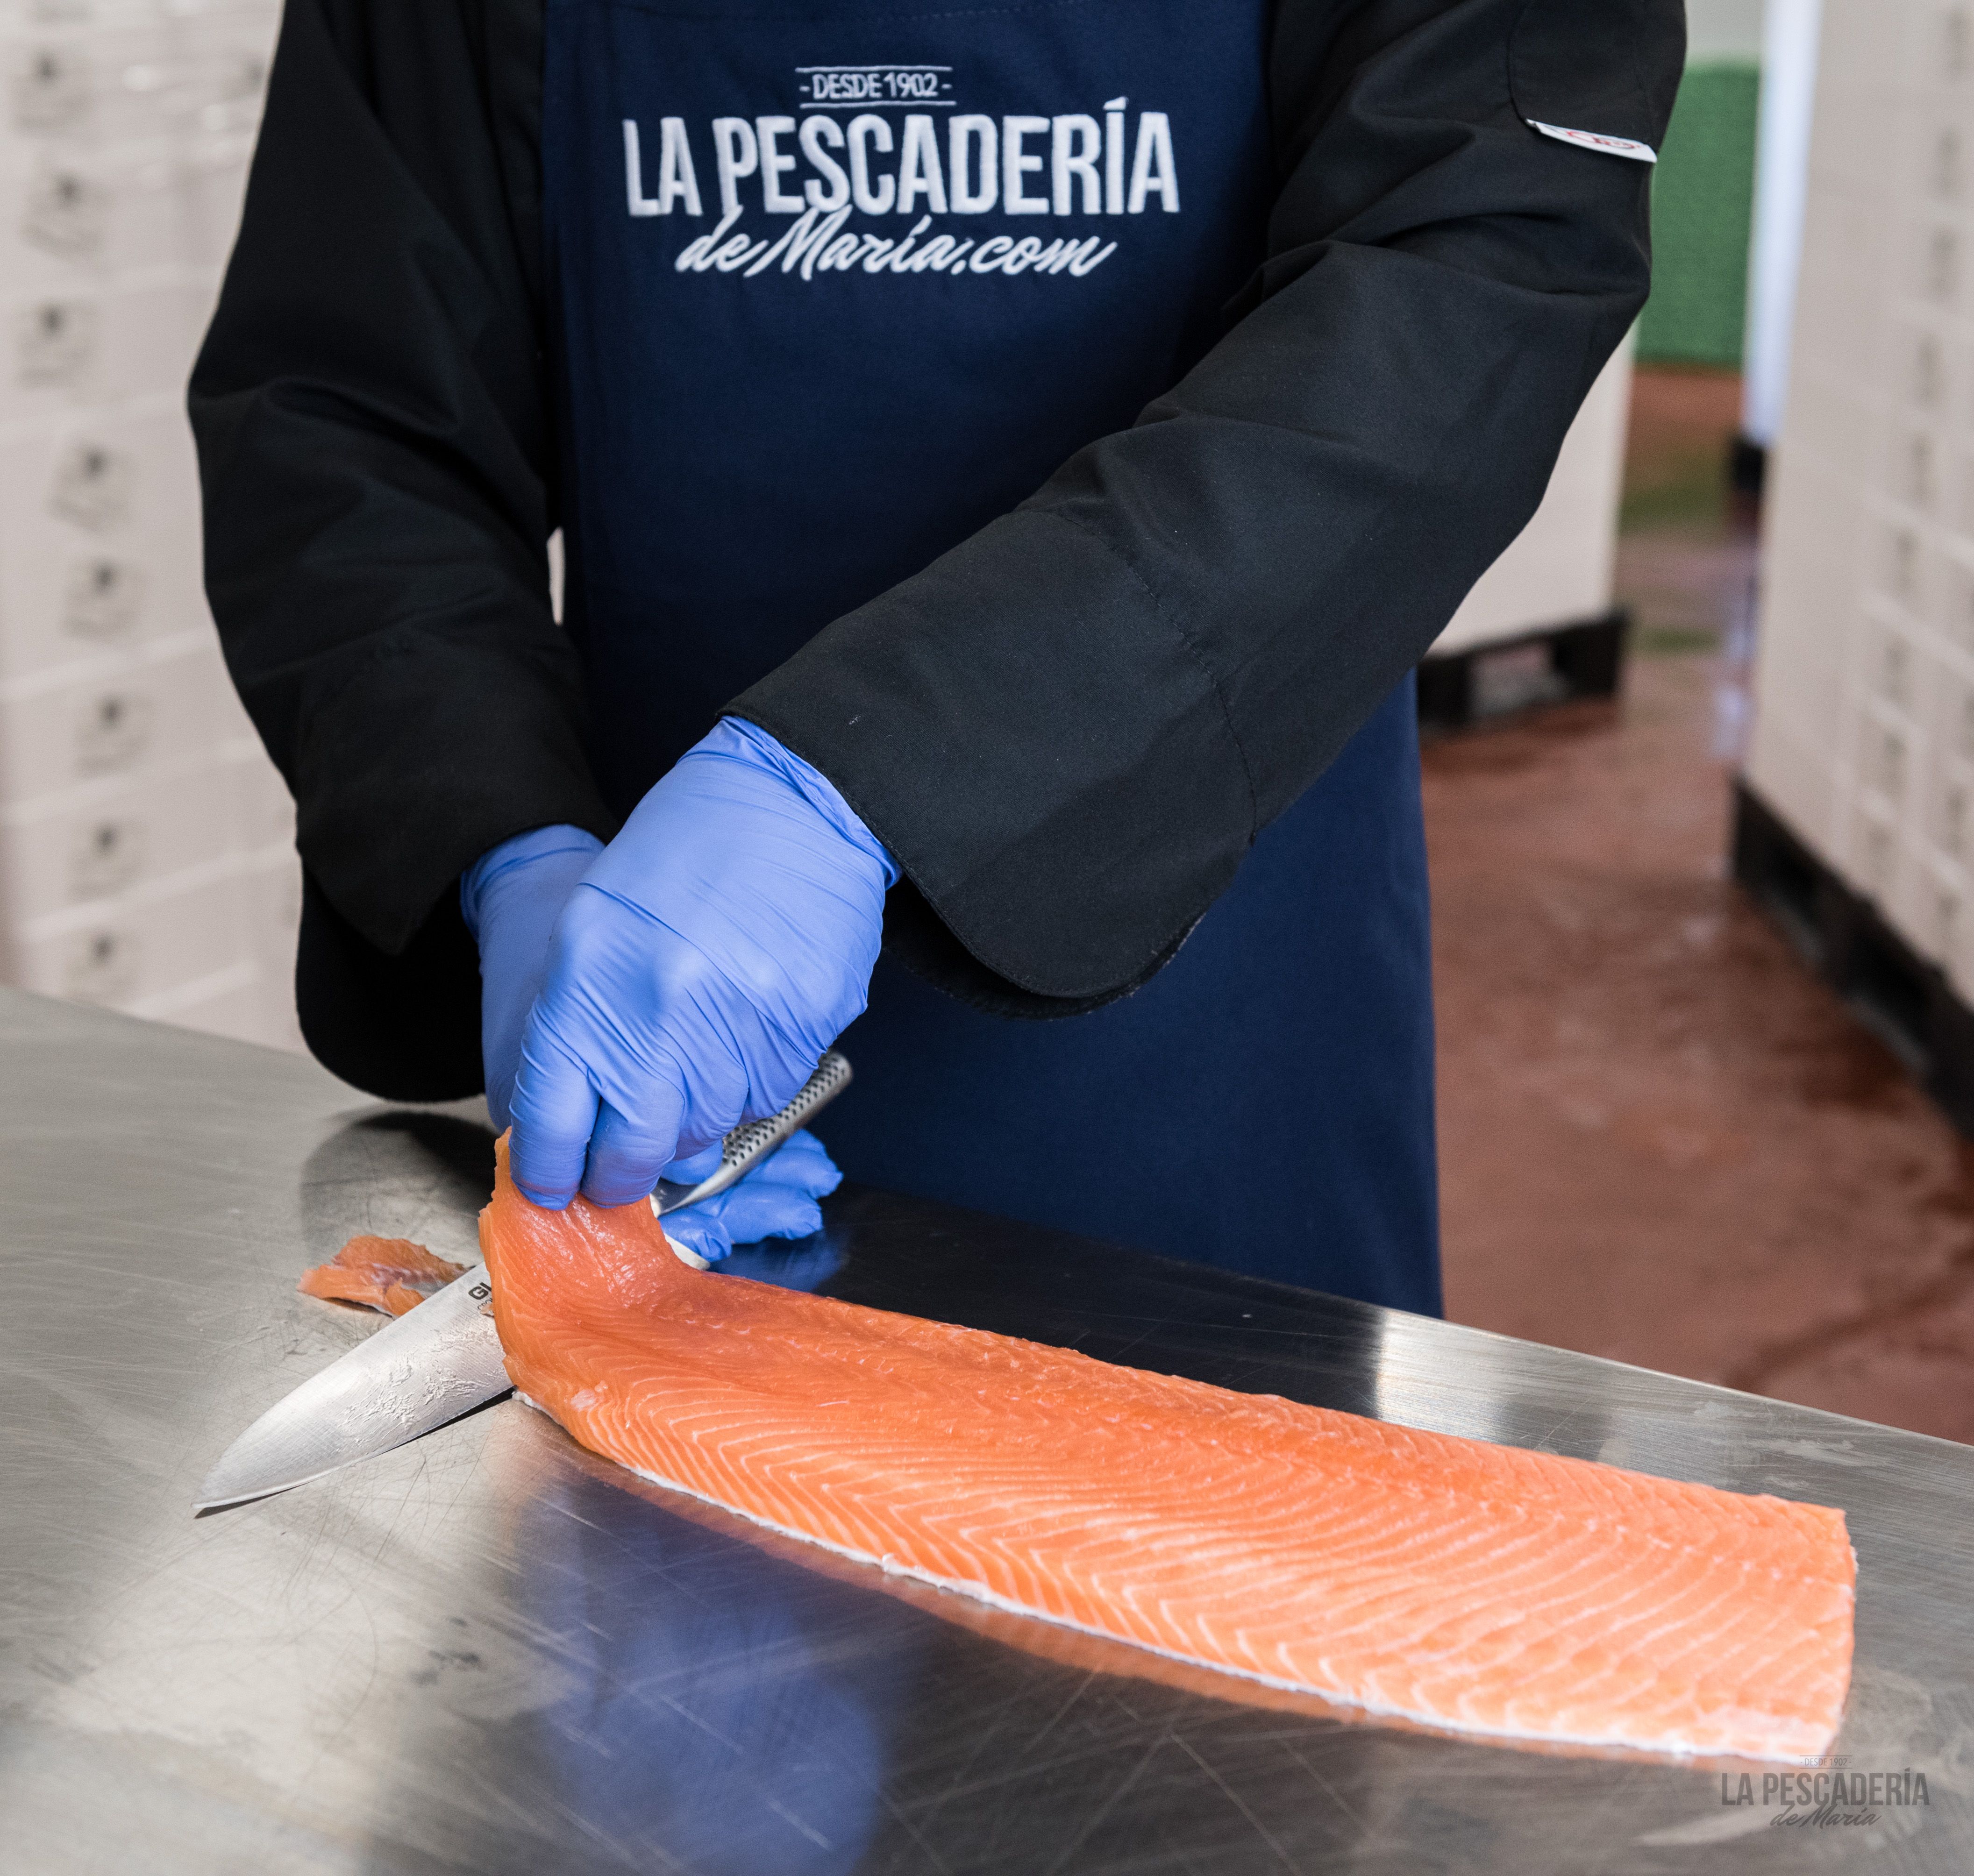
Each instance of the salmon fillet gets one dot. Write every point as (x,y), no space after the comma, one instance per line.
(1483,1588)
(391,1274)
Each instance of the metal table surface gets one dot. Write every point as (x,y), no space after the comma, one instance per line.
(490,1652)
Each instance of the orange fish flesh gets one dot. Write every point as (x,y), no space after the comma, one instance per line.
(391,1274)
(1479,1587)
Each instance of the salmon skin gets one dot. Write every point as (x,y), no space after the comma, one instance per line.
(1478,1587)
(391,1274)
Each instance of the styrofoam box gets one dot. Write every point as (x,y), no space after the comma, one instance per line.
(1949,805)
(1955,735)
(1927,364)
(73,211)
(1812,612)
(212,182)
(1913,465)
(1940,912)
(174,73)
(170,701)
(70,354)
(1934,261)
(1558,570)
(100,543)
(1793,774)
(282,1022)
(1925,907)
(1893,853)
(1896,669)
(1831,411)
(242,1002)
(112,84)
(1954,620)
(1906,565)
(1840,293)
(109,838)
(263,811)
(108,606)
(1890,872)
(105,602)
(150,943)
(232,1002)
(103,471)
(1953,894)
(273,900)
(273,883)
(1865,689)
(31,17)
(1891,754)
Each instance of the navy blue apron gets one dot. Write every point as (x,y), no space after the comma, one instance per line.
(836,283)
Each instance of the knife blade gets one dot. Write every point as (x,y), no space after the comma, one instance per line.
(443,1359)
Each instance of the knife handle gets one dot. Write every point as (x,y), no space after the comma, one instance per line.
(747,1145)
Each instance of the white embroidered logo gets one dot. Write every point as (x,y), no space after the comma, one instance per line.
(851,87)
(832,164)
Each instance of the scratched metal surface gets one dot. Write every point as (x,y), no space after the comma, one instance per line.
(490,1653)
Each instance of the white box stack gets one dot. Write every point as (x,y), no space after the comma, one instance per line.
(1863,738)
(146,851)
(1559,570)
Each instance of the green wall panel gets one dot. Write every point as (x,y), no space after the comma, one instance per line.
(1703,200)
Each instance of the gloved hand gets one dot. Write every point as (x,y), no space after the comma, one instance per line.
(511,898)
(720,944)
(777,1200)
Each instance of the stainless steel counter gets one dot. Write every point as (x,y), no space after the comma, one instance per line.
(491,1653)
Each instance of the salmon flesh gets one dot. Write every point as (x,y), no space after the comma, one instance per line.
(391,1274)
(1483,1588)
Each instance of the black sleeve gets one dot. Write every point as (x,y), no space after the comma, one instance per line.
(1070,729)
(1114,687)
(373,432)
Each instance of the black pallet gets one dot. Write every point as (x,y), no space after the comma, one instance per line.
(1564,662)
(1747,466)
(1907,1002)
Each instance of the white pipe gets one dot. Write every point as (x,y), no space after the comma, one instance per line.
(1790,35)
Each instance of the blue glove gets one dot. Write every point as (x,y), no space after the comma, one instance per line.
(777,1200)
(719,944)
(511,898)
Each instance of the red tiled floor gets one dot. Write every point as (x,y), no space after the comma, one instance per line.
(1663,1140)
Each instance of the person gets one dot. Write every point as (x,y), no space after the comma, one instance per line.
(1007,462)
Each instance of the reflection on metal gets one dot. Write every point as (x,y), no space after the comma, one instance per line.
(489,1652)
(414,1375)
(418,1373)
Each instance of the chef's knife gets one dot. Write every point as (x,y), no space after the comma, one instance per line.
(443,1358)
